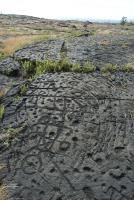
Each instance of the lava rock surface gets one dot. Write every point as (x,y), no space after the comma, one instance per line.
(77,141)
(97,49)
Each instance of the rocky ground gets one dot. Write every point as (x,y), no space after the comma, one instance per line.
(69,136)
(98,49)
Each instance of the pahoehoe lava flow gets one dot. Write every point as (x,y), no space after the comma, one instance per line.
(67,135)
(78,140)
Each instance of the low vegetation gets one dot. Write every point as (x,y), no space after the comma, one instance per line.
(34,69)
(2,111)
(2,55)
(77,68)
(11,134)
(18,40)
(21,34)
(110,68)
(15,43)
(23,89)
(17,98)
(28,67)
(21,93)
(128,68)
(3,192)
(89,67)
(2,93)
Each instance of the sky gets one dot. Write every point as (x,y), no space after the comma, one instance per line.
(70,9)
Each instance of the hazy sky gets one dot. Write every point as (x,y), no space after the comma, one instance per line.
(61,9)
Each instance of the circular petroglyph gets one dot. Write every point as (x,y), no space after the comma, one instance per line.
(31,164)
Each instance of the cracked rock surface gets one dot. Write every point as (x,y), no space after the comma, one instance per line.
(77,142)
(98,49)
(10,67)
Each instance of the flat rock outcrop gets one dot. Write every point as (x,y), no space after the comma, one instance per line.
(76,141)
(97,49)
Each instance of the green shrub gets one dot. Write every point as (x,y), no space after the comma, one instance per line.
(23,89)
(65,65)
(40,68)
(28,68)
(2,110)
(109,68)
(128,68)
(76,68)
(12,133)
(31,78)
(88,67)
(53,66)
(22,92)
(45,66)
(2,56)
(32,70)
(17,99)
(27,65)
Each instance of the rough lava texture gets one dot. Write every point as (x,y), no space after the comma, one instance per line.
(97,49)
(10,67)
(75,131)
(77,141)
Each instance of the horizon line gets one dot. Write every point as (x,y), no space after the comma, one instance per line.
(70,18)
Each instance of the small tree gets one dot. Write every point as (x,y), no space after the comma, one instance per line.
(123,21)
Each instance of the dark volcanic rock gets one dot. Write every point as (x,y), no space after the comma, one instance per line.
(4,81)
(40,51)
(97,49)
(78,140)
(10,67)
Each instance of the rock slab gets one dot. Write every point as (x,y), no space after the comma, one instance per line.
(78,140)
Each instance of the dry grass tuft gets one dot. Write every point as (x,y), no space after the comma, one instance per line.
(14,43)
(3,192)
(2,167)
(2,93)
(2,32)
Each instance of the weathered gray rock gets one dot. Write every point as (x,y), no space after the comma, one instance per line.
(41,51)
(97,49)
(10,67)
(77,141)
